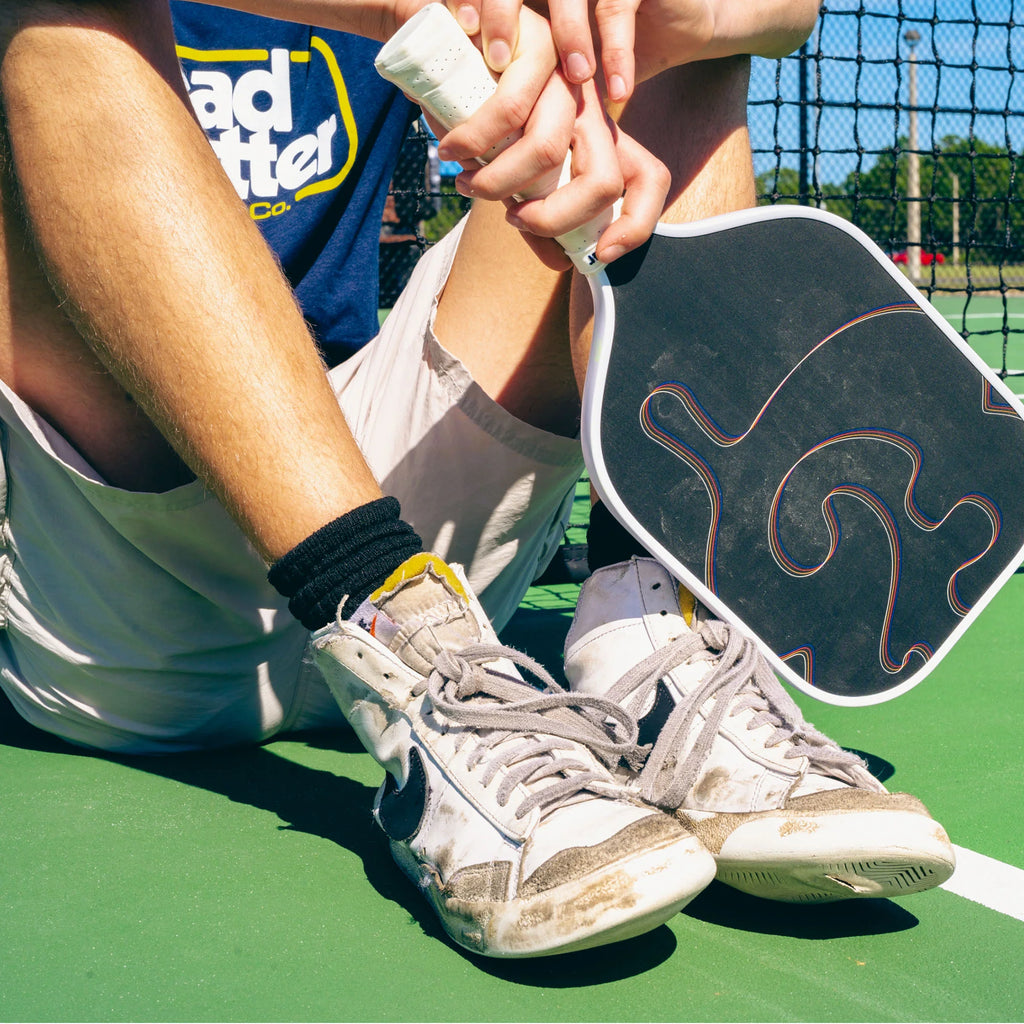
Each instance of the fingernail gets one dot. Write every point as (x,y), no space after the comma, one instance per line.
(617,88)
(468,18)
(499,55)
(612,253)
(577,67)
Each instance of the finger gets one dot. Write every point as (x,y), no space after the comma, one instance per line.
(647,181)
(548,251)
(570,26)
(499,30)
(533,163)
(616,27)
(607,164)
(497,124)
(518,91)
(467,14)
(597,181)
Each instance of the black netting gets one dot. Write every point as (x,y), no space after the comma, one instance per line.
(934,179)
(905,118)
(422,206)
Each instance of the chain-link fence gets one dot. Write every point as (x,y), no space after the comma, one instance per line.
(903,116)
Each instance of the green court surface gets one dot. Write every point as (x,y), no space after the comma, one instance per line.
(252,885)
(995,328)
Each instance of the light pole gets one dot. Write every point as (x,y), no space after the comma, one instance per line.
(803,186)
(956,220)
(912,38)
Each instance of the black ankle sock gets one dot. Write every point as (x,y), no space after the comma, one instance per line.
(608,541)
(352,555)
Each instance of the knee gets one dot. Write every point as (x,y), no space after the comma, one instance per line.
(50,29)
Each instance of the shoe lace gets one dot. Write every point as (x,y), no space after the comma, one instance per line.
(527,731)
(739,681)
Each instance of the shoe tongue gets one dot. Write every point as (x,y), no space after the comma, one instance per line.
(423,608)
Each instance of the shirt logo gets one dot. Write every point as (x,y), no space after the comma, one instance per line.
(245,107)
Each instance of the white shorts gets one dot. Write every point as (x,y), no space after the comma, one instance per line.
(144,623)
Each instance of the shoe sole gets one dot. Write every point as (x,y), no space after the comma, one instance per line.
(813,860)
(628,898)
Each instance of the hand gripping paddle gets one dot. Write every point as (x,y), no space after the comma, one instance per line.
(785,423)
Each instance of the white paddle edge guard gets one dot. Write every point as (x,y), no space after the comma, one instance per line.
(434,62)
(597,372)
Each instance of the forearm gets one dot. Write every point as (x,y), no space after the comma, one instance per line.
(169,281)
(373,19)
(768,28)
(671,33)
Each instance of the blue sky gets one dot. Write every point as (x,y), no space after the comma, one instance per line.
(951,41)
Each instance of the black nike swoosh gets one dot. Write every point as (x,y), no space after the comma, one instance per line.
(654,721)
(400,811)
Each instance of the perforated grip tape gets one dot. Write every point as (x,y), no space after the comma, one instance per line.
(432,60)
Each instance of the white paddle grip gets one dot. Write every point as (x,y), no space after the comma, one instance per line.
(432,60)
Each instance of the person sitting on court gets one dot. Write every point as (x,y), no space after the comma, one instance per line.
(161,390)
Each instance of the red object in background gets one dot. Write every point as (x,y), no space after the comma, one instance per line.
(926,257)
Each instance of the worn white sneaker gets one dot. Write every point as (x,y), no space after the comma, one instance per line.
(498,799)
(787,813)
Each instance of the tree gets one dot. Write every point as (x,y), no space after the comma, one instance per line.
(991,212)
(779,185)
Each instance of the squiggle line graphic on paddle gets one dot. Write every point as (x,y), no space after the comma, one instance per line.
(993,403)
(914,513)
(884,515)
(683,393)
(654,430)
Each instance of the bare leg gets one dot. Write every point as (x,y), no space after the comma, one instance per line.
(694,118)
(178,297)
(505,315)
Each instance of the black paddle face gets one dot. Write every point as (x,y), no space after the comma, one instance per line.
(790,431)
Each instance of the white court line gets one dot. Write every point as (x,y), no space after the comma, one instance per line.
(990,882)
(988,316)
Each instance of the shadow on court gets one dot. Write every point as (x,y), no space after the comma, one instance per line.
(339,810)
(721,905)
(540,634)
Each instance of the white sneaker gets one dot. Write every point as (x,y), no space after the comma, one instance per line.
(787,813)
(498,799)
